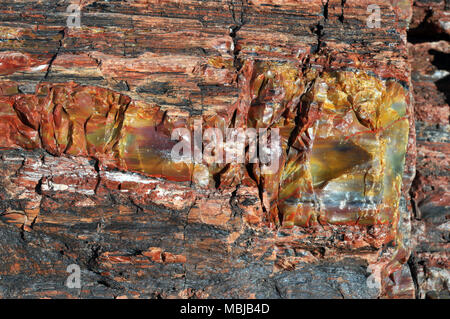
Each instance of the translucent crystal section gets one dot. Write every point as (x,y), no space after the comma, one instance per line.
(352,172)
(343,139)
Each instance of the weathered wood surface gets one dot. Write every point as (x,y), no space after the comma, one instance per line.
(429,51)
(138,236)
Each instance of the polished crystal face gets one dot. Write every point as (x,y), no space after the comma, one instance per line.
(343,139)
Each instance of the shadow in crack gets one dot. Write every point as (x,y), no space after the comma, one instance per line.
(427,31)
(441,61)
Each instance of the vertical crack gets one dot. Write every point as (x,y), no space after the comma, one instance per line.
(238,22)
(50,63)
(318,28)
(325,9)
(412,264)
(341,16)
(99,178)
(260,184)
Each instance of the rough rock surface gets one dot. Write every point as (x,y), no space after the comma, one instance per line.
(66,199)
(429,51)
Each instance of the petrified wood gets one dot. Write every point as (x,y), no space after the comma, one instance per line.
(87,114)
(429,51)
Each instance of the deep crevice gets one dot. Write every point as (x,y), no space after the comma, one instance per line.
(341,16)
(317,29)
(427,31)
(238,23)
(99,178)
(441,61)
(413,269)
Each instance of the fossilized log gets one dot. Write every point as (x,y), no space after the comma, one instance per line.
(87,115)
